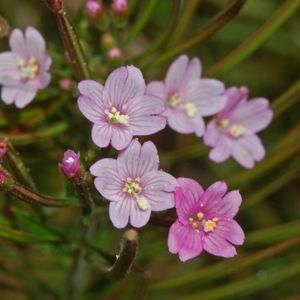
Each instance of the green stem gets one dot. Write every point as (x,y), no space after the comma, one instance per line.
(229,12)
(142,20)
(256,39)
(70,39)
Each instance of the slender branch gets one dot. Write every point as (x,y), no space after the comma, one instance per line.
(256,39)
(70,39)
(229,12)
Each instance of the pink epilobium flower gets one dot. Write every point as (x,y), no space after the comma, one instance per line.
(233,131)
(188,97)
(94,8)
(205,220)
(120,109)
(3,148)
(134,185)
(24,69)
(119,6)
(70,163)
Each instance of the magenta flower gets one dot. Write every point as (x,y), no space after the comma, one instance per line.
(94,8)
(3,148)
(70,163)
(119,6)
(2,177)
(24,70)
(188,97)
(120,109)
(233,131)
(134,185)
(205,220)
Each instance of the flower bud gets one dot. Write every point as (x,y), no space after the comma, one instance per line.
(3,148)
(65,84)
(94,9)
(120,7)
(114,53)
(70,164)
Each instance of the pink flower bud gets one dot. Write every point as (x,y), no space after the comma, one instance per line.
(65,84)
(119,6)
(94,8)
(70,163)
(3,148)
(114,53)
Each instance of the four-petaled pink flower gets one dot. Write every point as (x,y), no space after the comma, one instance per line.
(70,163)
(134,185)
(188,97)
(205,220)
(120,109)
(233,131)
(24,70)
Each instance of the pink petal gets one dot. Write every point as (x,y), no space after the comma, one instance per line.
(92,109)
(212,134)
(207,94)
(138,217)
(199,125)
(254,115)
(242,155)
(174,239)
(192,246)
(136,160)
(158,188)
(119,212)
(231,231)
(93,90)
(213,194)
(254,145)
(193,70)
(35,42)
(17,44)
(121,137)
(187,195)
(108,182)
(8,65)
(101,134)
(124,84)
(227,206)
(217,245)
(146,125)
(25,95)
(9,94)
(44,80)
(180,122)
(156,88)
(222,150)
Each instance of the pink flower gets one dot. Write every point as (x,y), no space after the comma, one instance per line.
(24,70)
(120,109)
(233,131)
(94,8)
(3,148)
(134,185)
(188,97)
(70,163)
(65,84)
(2,177)
(205,220)
(119,6)
(114,53)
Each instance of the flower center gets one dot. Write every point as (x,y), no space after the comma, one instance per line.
(234,130)
(133,188)
(114,117)
(70,160)
(176,101)
(198,222)
(28,69)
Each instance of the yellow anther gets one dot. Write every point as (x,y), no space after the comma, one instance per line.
(200,215)
(209,225)
(116,118)
(237,130)
(190,109)
(175,100)
(223,123)
(132,186)
(28,69)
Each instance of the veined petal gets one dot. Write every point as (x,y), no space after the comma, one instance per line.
(231,231)
(35,42)
(101,134)
(199,125)
(8,63)
(242,155)
(25,95)
(212,134)
(146,125)
(122,85)
(222,150)
(93,90)
(138,217)
(136,160)
(254,145)
(179,121)
(213,194)
(92,109)
(9,93)
(119,212)
(157,89)
(121,137)
(44,80)
(17,44)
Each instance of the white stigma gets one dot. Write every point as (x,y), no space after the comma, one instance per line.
(177,101)
(142,203)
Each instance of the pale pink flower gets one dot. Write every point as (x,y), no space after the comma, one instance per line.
(205,220)
(119,6)
(233,131)
(24,70)
(94,8)
(70,164)
(134,185)
(188,97)
(120,109)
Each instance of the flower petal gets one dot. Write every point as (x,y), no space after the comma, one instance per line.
(17,44)
(242,155)
(146,125)
(254,115)
(187,195)
(212,134)
(25,95)
(217,245)
(9,93)
(94,91)
(119,212)
(231,231)
(199,125)
(179,121)
(35,42)
(122,85)
(158,188)
(138,217)
(213,194)
(44,80)
(101,134)
(222,150)
(92,109)
(136,160)
(108,182)
(121,137)
(156,88)
(8,65)
(254,145)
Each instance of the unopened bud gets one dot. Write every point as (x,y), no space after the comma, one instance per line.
(114,53)
(120,7)
(94,9)
(3,148)
(70,164)
(65,84)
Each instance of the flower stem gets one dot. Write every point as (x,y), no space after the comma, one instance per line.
(256,39)
(70,39)
(229,12)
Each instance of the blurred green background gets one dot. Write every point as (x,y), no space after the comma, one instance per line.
(258,48)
